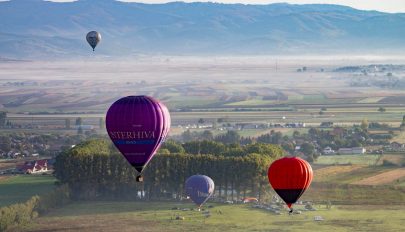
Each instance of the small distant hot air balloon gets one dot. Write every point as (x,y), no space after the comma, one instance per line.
(138,125)
(290,177)
(199,188)
(93,38)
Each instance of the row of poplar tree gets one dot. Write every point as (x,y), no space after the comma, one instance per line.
(95,169)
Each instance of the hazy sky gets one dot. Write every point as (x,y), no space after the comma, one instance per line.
(380,5)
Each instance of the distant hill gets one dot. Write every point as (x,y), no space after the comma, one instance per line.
(32,29)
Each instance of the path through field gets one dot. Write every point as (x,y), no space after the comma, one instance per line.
(383,178)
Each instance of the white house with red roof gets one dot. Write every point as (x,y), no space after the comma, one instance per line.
(36,166)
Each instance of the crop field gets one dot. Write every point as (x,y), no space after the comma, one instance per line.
(350,174)
(224,88)
(400,137)
(383,178)
(16,189)
(158,216)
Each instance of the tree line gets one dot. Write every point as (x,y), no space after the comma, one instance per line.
(95,169)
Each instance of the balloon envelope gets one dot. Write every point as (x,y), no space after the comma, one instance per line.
(93,38)
(138,125)
(290,177)
(199,188)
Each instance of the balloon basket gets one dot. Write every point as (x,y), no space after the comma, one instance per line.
(139,179)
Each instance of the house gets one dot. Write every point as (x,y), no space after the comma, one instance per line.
(37,166)
(352,151)
(328,151)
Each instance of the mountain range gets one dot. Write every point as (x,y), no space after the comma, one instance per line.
(36,29)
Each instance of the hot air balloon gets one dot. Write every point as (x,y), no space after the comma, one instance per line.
(199,188)
(93,38)
(137,125)
(290,177)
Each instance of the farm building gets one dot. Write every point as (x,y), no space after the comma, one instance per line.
(328,151)
(37,166)
(352,151)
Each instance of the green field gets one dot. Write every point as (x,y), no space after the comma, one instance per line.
(17,189)
(158,216)
(348,159)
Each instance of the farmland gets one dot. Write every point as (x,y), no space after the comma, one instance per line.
(239,89)
(383,178)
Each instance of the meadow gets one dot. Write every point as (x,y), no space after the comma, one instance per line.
(159,216)
(17,189)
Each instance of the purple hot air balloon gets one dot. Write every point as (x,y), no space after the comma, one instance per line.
(138,125)
(199,188)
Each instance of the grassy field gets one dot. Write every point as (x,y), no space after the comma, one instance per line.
(348,159)
(16,189)
(326,173)
(158,216)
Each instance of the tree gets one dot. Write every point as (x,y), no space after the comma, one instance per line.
(229,137)
(308,149)
(321,112)
(201,121)
(207,135)
(364,124)
(3,118)
(221,120)
(381,109)
(212,148)
(271,150)
(79,121)
(173,147)
(5,143)
(296,134)
(67,123)
(289,147)
(187,136)
(192,147)
(79,130)
(101,123)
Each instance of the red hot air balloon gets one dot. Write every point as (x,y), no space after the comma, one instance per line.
(290,177)
(138,125)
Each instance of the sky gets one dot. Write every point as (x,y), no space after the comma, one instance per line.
(393,6)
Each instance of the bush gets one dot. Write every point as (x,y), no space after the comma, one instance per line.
(22,213)
(388,163)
